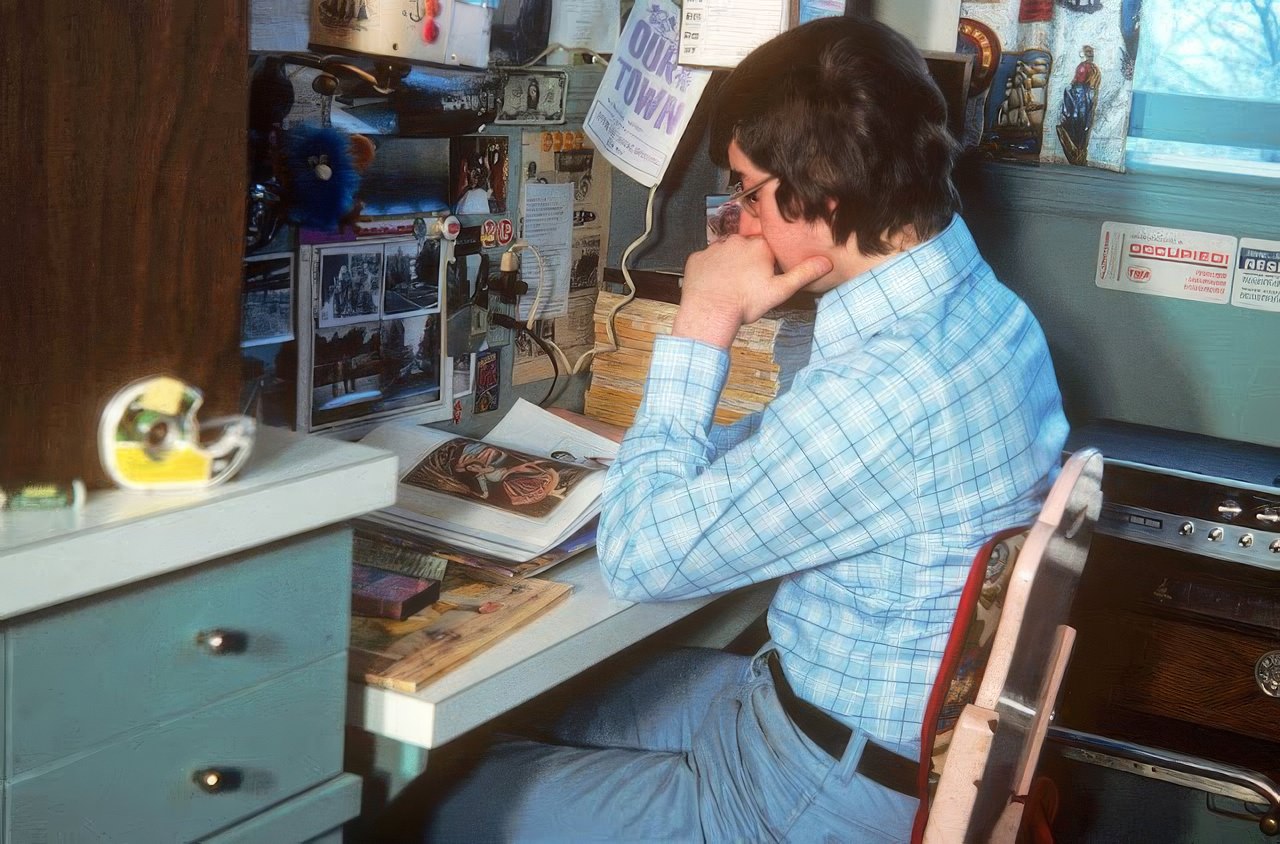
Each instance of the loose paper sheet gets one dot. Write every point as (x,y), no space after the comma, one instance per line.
(720,33)
(645,99)
(590,24)
(548,226)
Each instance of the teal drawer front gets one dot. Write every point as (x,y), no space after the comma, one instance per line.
(4,697)
(283,737)
(309,817)
(100,667)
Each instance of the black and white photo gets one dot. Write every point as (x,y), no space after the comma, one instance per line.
(267,315)
(350,285)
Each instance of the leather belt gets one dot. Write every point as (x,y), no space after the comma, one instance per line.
(878,763)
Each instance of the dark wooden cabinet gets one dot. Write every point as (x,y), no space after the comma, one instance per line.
(123,181)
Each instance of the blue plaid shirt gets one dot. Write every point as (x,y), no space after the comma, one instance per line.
(927,419)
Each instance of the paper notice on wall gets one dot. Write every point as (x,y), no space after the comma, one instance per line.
(1257,281)
(720,33)
(1166,262)
(582,24)
(547,214)
(645,99)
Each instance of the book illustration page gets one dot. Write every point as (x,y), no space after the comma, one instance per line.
(509,480)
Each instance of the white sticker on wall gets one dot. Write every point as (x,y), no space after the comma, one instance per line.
(1257,283)
(1166,262)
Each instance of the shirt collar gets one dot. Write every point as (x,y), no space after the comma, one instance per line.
(905,283)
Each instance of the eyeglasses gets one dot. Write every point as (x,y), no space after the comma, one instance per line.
(747,199)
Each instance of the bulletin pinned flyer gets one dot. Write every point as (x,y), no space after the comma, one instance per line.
(645,99)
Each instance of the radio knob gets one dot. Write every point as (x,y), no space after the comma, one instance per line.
(1215,535)
(1246,541)
(1274,547)
(1186,529)
(1229,509)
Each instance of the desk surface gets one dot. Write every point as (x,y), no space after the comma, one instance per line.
(587,627)
(291,484)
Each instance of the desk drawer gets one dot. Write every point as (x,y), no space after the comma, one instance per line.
(283,737)
(1200,674)
(100,667)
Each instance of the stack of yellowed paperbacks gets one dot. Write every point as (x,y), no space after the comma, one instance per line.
(764,358)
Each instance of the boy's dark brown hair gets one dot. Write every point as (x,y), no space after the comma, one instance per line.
(844,112)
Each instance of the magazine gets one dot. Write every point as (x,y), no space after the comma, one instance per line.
(523,489)
(406,552)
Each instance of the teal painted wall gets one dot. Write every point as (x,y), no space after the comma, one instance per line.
(1210,369)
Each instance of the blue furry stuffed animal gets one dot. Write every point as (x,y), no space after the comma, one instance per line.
(320,174)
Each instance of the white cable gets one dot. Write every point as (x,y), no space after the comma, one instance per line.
(626,273)
(551,48)
(576,367)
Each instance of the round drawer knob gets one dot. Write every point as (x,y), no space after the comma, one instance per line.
(1266,673)
(218,780)
(220,642)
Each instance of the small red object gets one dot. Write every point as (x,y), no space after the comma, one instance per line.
(430,30)
(489,606)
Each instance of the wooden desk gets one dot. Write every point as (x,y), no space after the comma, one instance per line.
(576,634)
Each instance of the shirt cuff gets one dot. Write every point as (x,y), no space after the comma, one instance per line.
(685,380)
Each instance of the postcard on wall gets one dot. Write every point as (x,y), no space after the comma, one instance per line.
(268,299)
(480,178)
(645,99)
(529,95)
(411,278)
(1166,262)
(408,176)
(1257,278)
(350,285)
(345,374)
(487,384)
(720,33)
(464,371)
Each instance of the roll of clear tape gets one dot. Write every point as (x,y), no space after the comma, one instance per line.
(150,439)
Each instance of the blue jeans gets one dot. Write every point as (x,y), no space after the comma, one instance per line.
(693,747)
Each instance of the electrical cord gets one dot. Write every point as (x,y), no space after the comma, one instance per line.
(506,321)
(551,48)
(576,367)
(626,273)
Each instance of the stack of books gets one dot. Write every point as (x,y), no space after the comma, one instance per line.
(762,362)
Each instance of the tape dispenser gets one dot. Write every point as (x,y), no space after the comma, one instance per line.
(149,438)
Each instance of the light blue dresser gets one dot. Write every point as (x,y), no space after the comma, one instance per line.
(173,667)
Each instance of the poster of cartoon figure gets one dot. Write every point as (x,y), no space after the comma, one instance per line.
(507,479)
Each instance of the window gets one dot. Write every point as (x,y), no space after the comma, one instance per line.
(1207,88)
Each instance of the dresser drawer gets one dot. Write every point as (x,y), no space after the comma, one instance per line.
(1201,674)
(314,816)
(81,674)
(281,737)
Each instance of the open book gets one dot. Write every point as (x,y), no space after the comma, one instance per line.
(527,486)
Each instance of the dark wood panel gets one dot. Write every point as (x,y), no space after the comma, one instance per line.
(1203,675)
(123,185)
